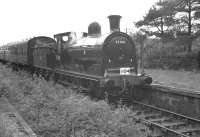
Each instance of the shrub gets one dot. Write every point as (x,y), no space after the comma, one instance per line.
(169,56)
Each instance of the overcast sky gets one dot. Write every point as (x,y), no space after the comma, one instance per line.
(21,19)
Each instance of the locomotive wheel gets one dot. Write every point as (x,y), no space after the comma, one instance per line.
(114,92)
(78,85)
(91,87)
(94,90)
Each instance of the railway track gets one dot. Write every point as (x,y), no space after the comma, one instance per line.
(164,123)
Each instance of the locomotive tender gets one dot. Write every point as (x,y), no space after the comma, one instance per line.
(101,63)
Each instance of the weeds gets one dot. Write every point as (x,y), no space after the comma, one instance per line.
(56,111)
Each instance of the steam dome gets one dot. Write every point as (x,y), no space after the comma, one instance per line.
(94,29)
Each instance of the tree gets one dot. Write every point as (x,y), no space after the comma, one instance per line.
(169,17)
(159,20)
(187,11)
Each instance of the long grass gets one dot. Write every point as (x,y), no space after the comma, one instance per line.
(56,111)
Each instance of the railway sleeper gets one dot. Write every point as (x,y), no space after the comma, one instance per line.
(170,124)
(157,133)
(179,127)
(159,120)
(149,115)
(188,129)
(173,124)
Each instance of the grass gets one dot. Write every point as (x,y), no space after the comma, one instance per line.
(56,111)
(180,79)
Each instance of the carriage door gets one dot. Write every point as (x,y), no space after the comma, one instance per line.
(51,58)
(30,53)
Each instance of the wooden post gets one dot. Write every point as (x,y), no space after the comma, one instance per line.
(142,57)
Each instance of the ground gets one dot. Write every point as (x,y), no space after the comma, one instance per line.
(180,79)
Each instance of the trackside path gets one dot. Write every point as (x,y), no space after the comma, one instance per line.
(11,123)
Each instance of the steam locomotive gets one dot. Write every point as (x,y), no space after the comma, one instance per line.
(100,64)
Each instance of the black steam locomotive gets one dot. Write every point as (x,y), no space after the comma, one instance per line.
(97,63)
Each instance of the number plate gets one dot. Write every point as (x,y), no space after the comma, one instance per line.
(125,71)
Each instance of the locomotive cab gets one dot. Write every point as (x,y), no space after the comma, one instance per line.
(64,40)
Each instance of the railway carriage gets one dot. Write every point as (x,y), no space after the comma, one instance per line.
(40,51)
(21,53)
(30,53)
(2,53)
(10,53)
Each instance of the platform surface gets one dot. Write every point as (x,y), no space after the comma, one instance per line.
(186,80)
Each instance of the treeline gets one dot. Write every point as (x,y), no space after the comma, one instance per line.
(172,20)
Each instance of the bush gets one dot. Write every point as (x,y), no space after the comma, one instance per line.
(169,56)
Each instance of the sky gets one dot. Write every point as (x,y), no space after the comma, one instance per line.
(22,19)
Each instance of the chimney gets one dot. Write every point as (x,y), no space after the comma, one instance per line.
(114,22)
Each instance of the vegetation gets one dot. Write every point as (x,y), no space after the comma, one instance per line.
(169,56)
(56,111)
(173,19)
(171,29)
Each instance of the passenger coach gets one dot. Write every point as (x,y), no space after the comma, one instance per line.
(30,53)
